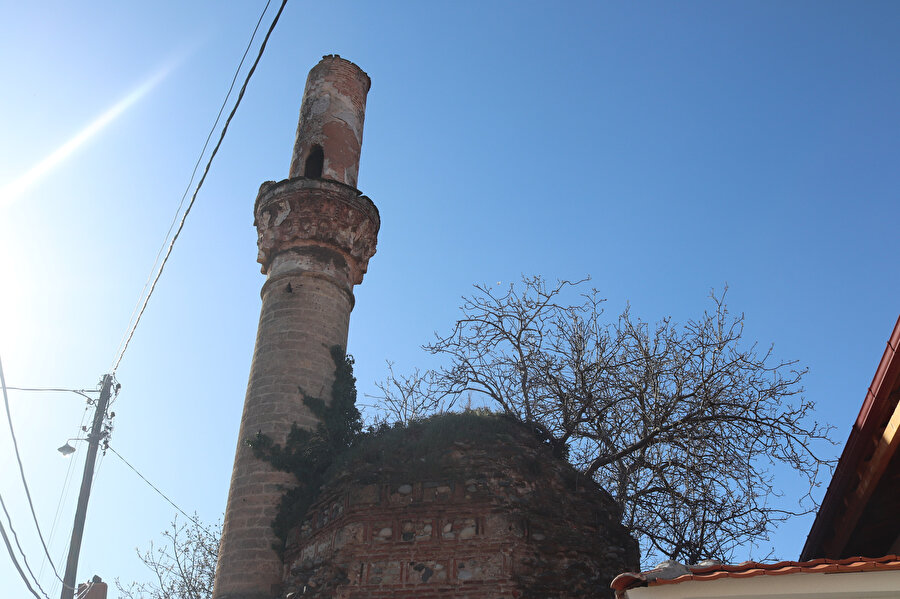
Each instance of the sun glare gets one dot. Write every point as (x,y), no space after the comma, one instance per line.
(10,192)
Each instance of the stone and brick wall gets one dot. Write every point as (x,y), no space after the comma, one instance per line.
(494,519)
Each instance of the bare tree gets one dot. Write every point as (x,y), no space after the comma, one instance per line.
(683,424)
(183,567)
(405,398)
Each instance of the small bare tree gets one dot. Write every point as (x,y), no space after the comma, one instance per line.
(183,567)
(682,424)
(405,398)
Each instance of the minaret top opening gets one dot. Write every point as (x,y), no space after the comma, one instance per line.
(315,162)
(330,131)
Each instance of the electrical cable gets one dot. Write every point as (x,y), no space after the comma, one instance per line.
(196,166)
(22,471)
(63,496)
(63,493)
(81,392)
(87,590)
(15,562)
(21,551)
(65,486)
(63,554)
(143,305)
(163,495)
(99,464)
(133,323)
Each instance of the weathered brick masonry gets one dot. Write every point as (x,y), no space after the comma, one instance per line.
(331,118)
(494,518)
(316,235)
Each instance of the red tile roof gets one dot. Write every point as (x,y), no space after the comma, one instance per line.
(672,573)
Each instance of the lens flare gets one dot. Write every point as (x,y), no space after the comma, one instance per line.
(13,190)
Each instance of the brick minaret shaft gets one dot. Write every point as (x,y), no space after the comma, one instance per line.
(316,235)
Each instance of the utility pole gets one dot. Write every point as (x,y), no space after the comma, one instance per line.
(68,589)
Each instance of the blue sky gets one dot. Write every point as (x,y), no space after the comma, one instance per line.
(662,148)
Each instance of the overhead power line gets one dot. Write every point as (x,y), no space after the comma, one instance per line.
(19,546)
(81,392)
(15,561)
(63,495)
(12,434)
(152,486)
(187,188)
(86,591)
(143,305)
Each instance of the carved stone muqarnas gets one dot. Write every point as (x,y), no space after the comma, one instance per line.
(297,215)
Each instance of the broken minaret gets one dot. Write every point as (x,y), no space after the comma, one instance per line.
(316,235)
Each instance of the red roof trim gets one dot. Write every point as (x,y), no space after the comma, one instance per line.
(630,580)
(818,566)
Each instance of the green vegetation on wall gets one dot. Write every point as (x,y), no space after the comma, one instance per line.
(402,451)
(308,454)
